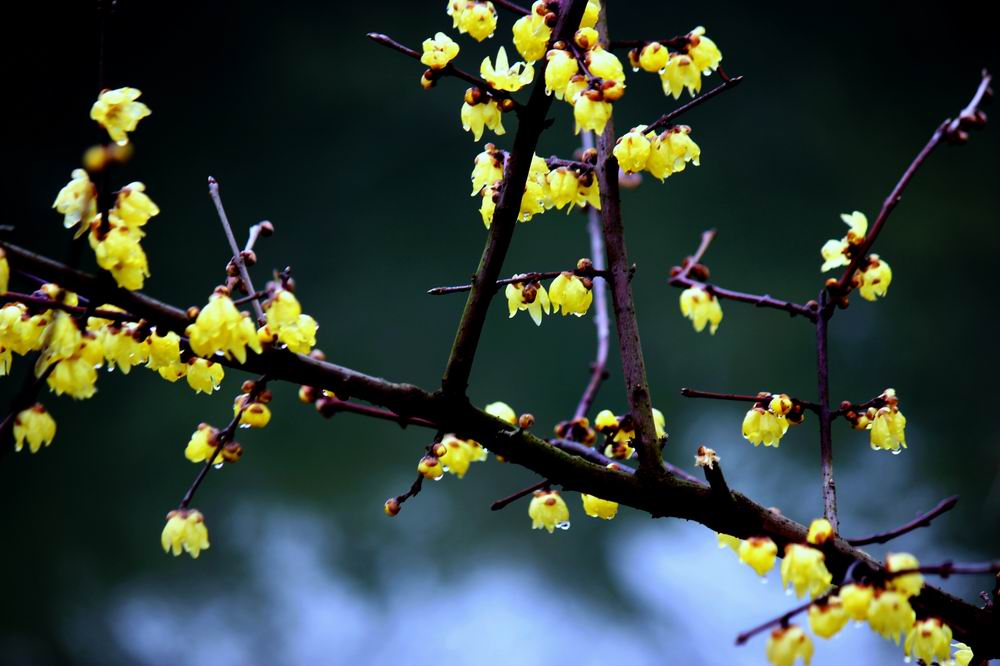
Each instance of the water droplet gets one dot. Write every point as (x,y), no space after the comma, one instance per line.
(218,465)
(438,478)
(563,525)
(635,69)
(858,624)
(763,580)
(244,426)
(896,452)
(906,660)
(445,468)
(788,591)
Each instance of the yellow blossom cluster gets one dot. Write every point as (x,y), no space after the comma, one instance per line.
(619,432)
(767,421)
(702,308)
(698,56)
(884,422)
(873,277)
(438,51)
(287,323)
(567,291)
(786,644)
(221,328)
(35,426)
(533,31)
(452,454)
(661,155)
(185,531)
(116,241)
(562,187)
(590,84)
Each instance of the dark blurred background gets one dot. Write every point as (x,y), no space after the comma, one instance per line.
(365,176)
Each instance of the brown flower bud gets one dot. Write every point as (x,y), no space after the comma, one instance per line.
(249,257)
(193,312)
(317,354)
(308,394)
(231,452)
(247,385)
(584,264)
(506,104)
(392,507)
(266,228)
(525,421)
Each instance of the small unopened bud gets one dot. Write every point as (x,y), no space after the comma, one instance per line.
(430,468)
(427,80)
(706,457)
(439,450)
(247,385)
(700,272)
(830,283)
(193,312)
(589,156)
(327,407)
(506,104)
(265,397)
(588,284)
(249,257)
(307,394)
(232,270)
(231,452)
(392,507)
(594,95)
(551,20)
(525,421)
(317,354)
(266,228)
(584,264)
(473,96)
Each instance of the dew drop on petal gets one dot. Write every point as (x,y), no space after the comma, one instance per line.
(763,580)
(788,591)
(906,660)
(244,426)
(218,465)
(563,525)
(896,452)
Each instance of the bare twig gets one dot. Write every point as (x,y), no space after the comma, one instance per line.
(337,405)
(825,432)
(742,397)
(923,520)
(523,492)
(522,277)
(39,303)
(969,117)
(513,7)
(667,118)
(213,191)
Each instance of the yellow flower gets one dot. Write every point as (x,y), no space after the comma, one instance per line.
(531,297)
(430,467)
(478,19)
(606,421)
(504,76)
(460,454)
(221,327)
(856,599)
(563,185)
(589,113)
(670,152)
(819,531)
(659,423)
(34,425)
(827,619)
(653,57)
(120,348)
(133,207)
(562,67)
(836,253)
(726,540)
(531,33)
(804,567)
(295,330)
(701,308)
(76,375)
(929,641)
(204,376)
(908,585)
(589,192)
(185,530)
(502,411)
(570,293)
(548,510)
(705,55)
(762,427)
(758,552)
(620,447)
(77,201)
(595,507)
(888,429)
(632,150)
(19,332)
(485,113)
(533,199)
(164,350)
(963,654)
(488,169)
(202,445)
(256,414)
(679,73)
(439,51)
(62,338)
(780,404)
(590,14)
(118,112)
(4,272)
(786,644)
(605,65)
(874,280)
(120,253)
(890,614)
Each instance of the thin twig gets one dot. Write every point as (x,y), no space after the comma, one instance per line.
(513,7)
(223,437)
(678,42)
(599,368)
(829,485)
(683,279)
(967,117)
(447,70)
(37,303)
(783,618)
(522,277)
(923,520)
(338,405)
(743,397)
(524,492)
(213,191)
(667,118)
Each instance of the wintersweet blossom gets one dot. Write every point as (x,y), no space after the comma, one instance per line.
(505,76)
(595,507)
(439,51)
(805,569)
(701,308)
(761,426)
(873,282)
(929,641)
(908,585)
(35,426)
(221,328)
(548,510)
(570,293)
(77,201)
(530,296)
(185,531)
(828,618)
(786,644)
(890,614)
(856,598)
(119,113)
(502,411)
(532,33)
(838,252)
(759,553)
(477,19)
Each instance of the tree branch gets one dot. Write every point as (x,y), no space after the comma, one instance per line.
(530,127)
(743,397)
(923,520)
(213,191)
(667,118)
(969,117)
(825,419)
(522,277)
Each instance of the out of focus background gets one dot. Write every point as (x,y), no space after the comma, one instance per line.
(365,177)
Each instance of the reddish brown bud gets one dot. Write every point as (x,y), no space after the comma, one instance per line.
(525,421)
(266,228)
(506,104)
(584,264)
(308,394)
(551,20)
(392,507)
(247,385)
(249,257)
(193,312)
(317,354)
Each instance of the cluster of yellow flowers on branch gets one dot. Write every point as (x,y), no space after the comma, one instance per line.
(881,599)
